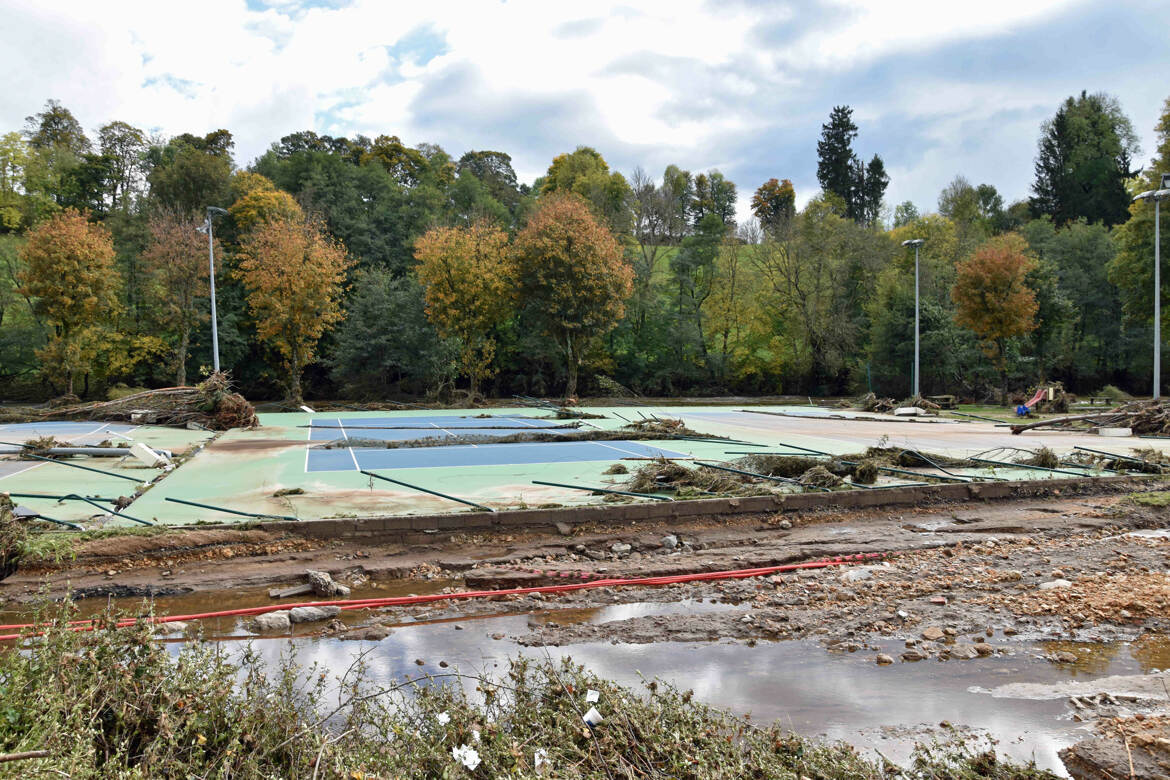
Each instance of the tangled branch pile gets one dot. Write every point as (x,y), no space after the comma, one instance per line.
(211,404)
(1145,418)
(871,403)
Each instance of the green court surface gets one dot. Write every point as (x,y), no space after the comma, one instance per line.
(244,469)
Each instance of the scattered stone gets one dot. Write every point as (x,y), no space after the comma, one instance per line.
(883,659)
(369,634)
(564,529)
(596,555)
(312,614)
(323,584)
(784,525)
(620,548)
(913,654)
(963,652)
(1055,584)
(1063,657)
(984,649)
(858,574)
(932,633)
(939,600)
(670,541)
(271,621)
(419,662)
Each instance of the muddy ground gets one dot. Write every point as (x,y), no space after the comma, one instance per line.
(955,583)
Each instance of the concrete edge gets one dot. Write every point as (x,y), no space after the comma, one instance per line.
(421,529)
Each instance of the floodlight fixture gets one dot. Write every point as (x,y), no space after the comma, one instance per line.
(212,211)
(914,242)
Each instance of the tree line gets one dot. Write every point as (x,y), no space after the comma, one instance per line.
(358,267)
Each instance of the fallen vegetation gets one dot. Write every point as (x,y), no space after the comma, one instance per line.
(115,702)
(211,404)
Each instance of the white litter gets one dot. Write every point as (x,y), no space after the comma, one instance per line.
(443,718)
(148,456)
(592,718)
(466,755)
(592,697)
(307,409)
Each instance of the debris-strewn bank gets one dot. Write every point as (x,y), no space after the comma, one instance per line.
(116,703)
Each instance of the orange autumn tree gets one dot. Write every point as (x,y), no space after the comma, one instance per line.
(572,274)
(294,274)
(177,263)
(993,298)
(469,282)
(70,272)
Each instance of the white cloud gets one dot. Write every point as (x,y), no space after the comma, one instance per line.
(698,83)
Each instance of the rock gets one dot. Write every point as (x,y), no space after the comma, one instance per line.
(620,548)
(564,529)
(271,621)
(178,627)
(323,584)
(984,649)
(939,600)
(1063,657)
(932,633)
(784,525)
(1055,584)
(859,574)
(963,652)
(596,555)
(369,634)
(1010,631)
(312,614)
(670,541)
(883,659)
(913,654)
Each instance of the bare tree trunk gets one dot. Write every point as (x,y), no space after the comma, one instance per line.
(181,359)
(571,390)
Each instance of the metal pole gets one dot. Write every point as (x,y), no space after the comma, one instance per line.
(211,278)
(1157,301)
(915,393)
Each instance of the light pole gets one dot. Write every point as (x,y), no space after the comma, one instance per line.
(915,242)
(1157,196)
(206,228)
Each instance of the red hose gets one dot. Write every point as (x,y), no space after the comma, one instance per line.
(398,601)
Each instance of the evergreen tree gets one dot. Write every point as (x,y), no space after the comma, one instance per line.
(1083,162)
(835,157)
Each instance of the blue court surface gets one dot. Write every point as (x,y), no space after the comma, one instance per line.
(434,427)
(354,459)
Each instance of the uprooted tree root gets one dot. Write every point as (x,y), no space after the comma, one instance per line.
(13,536)
(211,404)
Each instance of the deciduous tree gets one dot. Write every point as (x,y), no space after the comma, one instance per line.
(177,263)
(993,297)
(469,278)
(70,272)
(294,274)
(774,205)
(573,276)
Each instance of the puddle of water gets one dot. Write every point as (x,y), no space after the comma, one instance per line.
(797,683)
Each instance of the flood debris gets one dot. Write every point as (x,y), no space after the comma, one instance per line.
(1135,747)
(1142,418)
(211,404)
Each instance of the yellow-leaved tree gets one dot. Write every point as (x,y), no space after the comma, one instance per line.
(469,280)
(572,275)
(70,274)
(294,273)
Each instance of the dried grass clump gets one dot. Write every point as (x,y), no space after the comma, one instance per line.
(666,474)
(1043,457)
(819,476)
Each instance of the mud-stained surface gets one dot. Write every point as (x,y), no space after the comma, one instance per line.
(1040,622)
(230,446)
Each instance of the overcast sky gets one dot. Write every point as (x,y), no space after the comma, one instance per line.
(938,87)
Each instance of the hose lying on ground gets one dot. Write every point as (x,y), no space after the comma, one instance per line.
(400,601)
